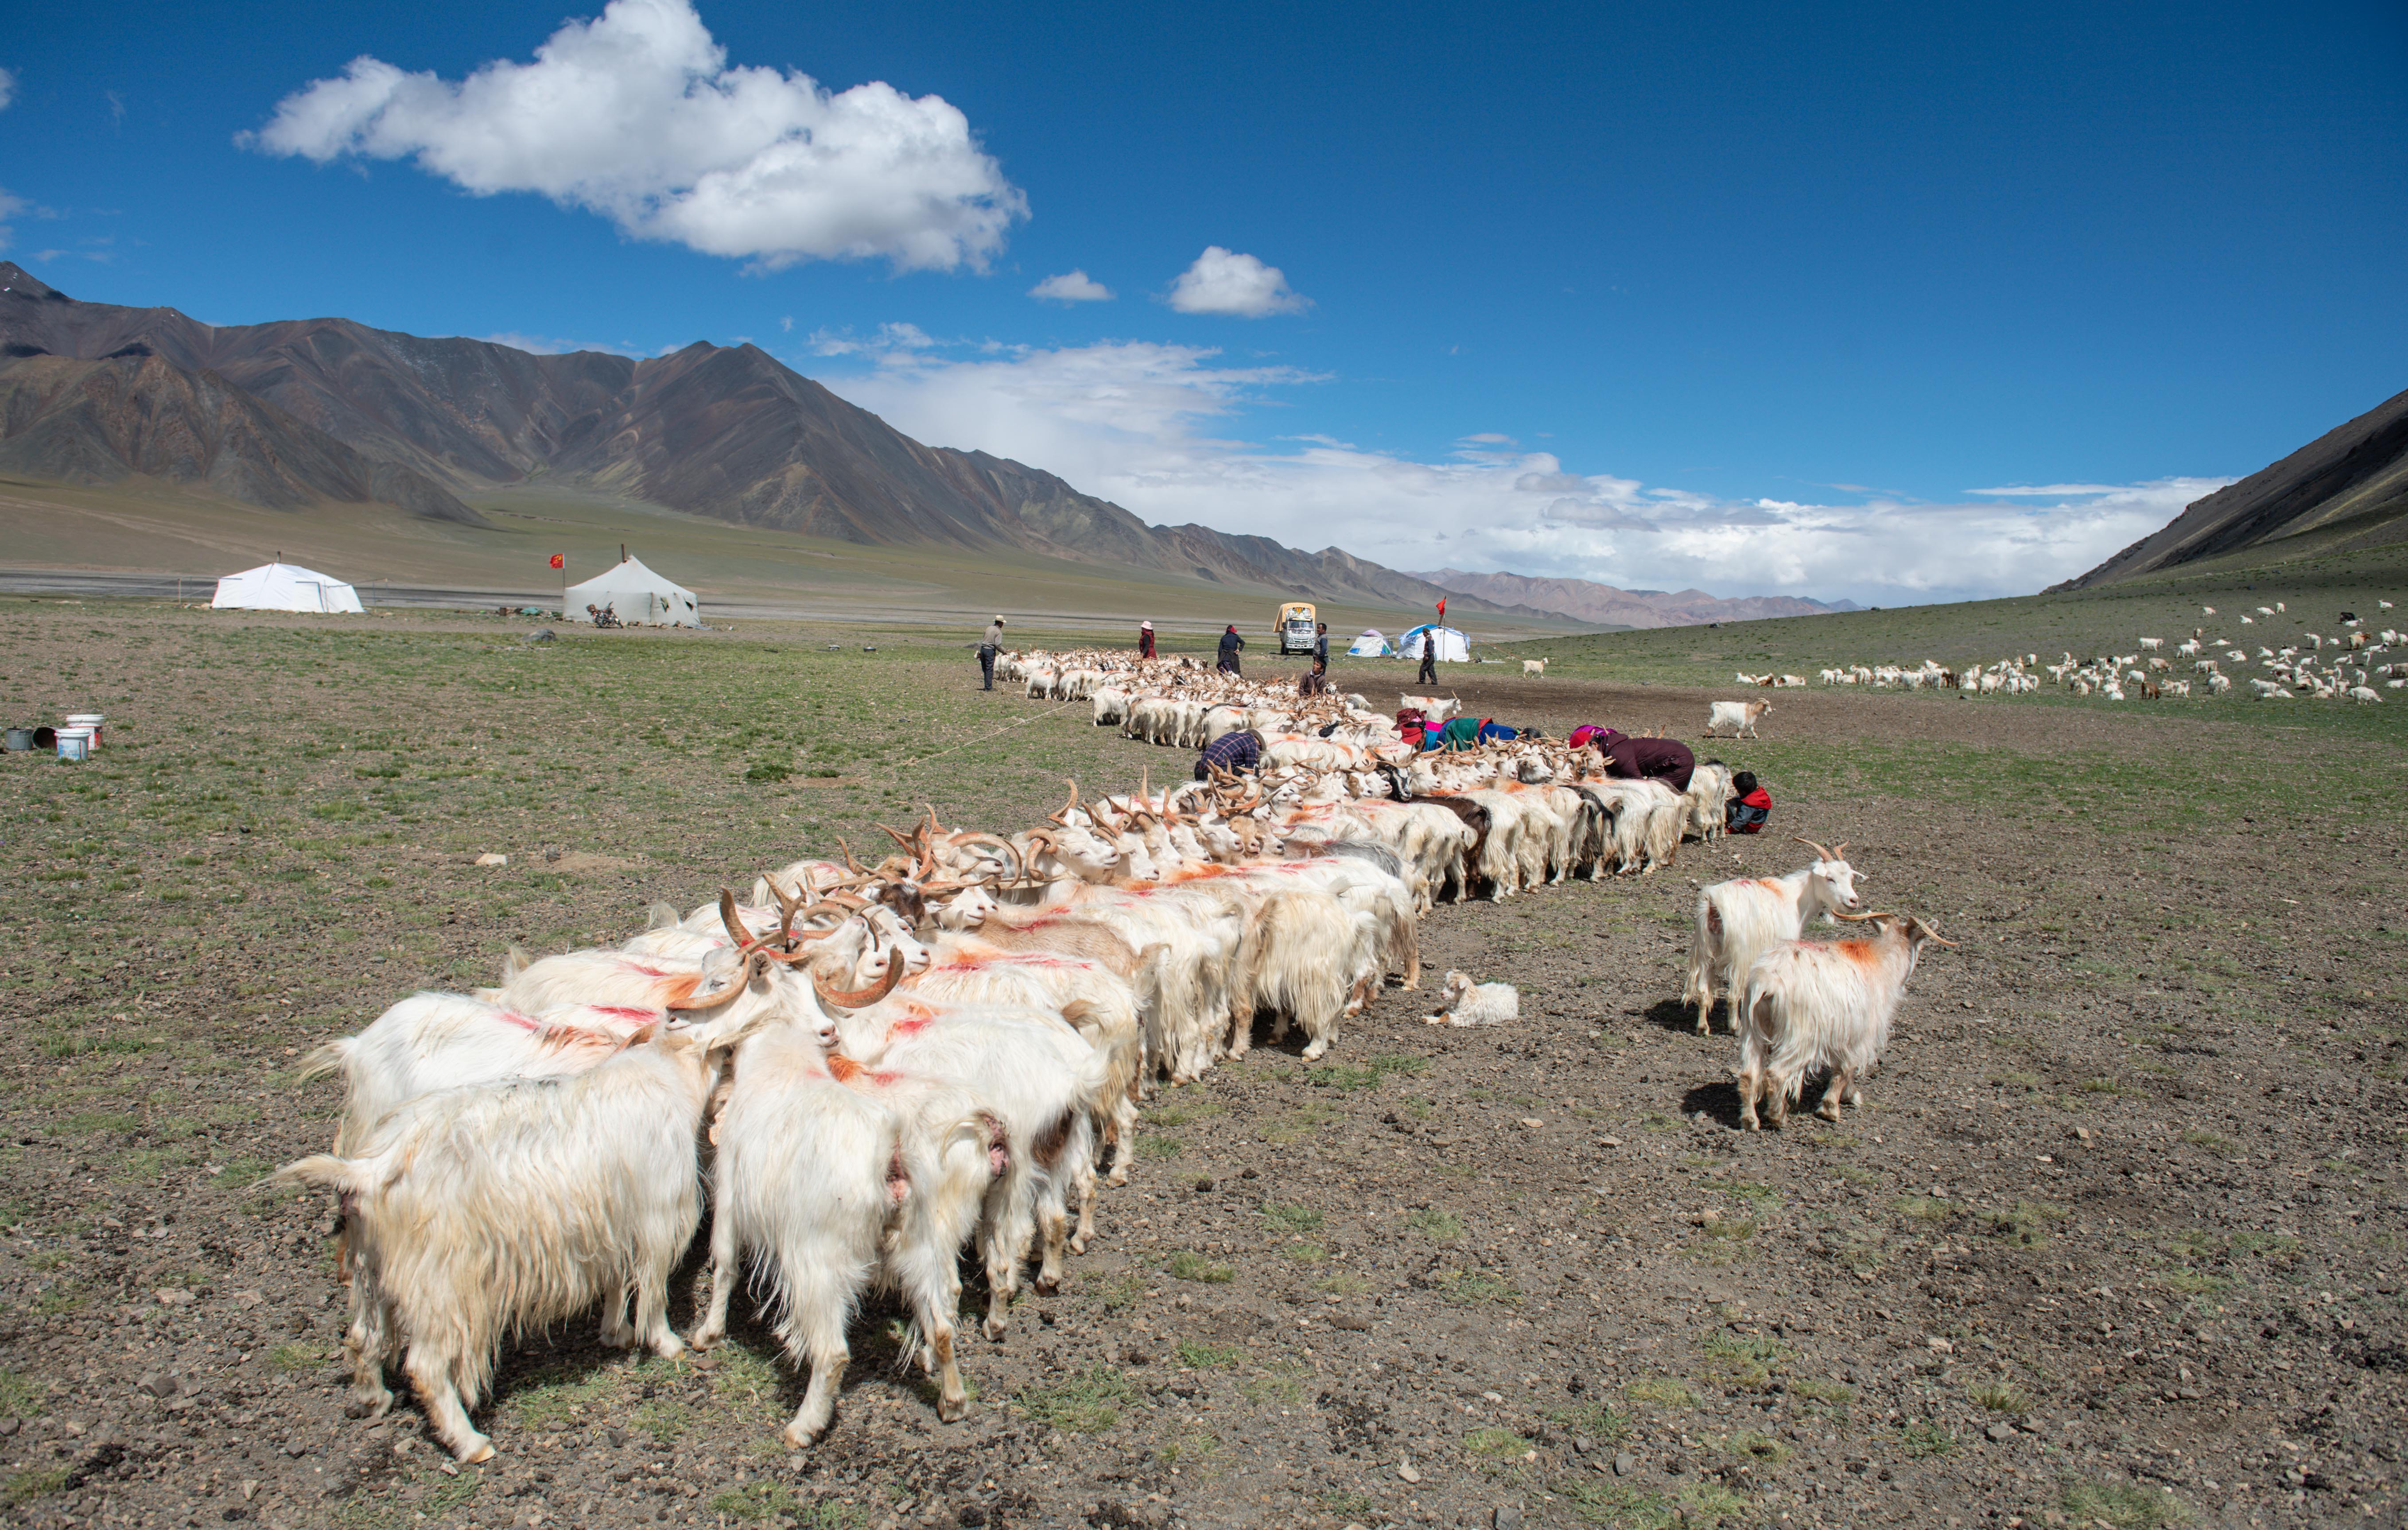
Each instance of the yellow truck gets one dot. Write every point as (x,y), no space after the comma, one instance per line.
(1295,627)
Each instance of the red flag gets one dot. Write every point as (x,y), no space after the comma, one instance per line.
(1442,605)
(561,561)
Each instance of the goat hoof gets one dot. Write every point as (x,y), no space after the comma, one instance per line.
(708,1338)
(669,1347)
(800,1437)
(479,1449)
(1045,1287)
(993,1328)
(1078,1245)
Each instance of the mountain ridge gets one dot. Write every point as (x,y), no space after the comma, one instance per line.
(1585,600)
(2345,491)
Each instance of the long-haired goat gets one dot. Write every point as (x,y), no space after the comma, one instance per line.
(1822,1004)
(1739,919)
(482,1212)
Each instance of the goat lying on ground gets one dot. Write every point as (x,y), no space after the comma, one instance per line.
(1470,1004)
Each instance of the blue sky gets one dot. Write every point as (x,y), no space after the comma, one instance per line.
(1761,299)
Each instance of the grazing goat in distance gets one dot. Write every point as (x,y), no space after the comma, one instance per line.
(1534,666)
(1737,716)
(1812,1005)
(1739,920)
(1481,1004)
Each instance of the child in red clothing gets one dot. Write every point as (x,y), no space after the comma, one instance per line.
(1749,805)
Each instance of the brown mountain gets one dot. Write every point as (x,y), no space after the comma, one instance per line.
(102,422)
(727,432)
(1604,604)
(2345,491)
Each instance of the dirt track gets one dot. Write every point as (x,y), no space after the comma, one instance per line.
(2123,1216)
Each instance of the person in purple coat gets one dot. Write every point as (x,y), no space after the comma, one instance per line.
(1666,760)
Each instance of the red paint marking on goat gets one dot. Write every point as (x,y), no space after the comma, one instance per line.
(625,1012)
(511,1017)
(885,1080)
(909,1028)
(844,1069)
(1862,952)
(650,971)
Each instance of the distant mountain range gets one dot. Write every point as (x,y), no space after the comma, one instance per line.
(2345,491)
(1605,606)
(311,411)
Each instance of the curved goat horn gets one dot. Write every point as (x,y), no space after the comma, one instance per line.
(1145,785)
(851,864)
(754,960)
(1072,782)
(1840,851)
(1933,936)
(897,835)
(787,907)
(1818,850)
(735,930)
(1858,919)
(858,999)
(933,830)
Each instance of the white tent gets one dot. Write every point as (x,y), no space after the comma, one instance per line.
(1452,645)
(636,595)
(284,587)
(1371,645)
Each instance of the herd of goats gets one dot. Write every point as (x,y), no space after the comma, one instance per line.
(867,1067)
(2303,668)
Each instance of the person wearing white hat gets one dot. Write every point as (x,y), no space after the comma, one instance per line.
(1145,639)
(988,648)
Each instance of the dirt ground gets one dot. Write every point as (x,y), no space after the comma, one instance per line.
(2116,1239)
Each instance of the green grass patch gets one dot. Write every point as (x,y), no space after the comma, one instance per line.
(1295,1219)
(1086,1403)
(1195,1354)
(20,1397)
(1187,1265)
(1471,1288)
(1922,1438)
(1159,1148)
(1660,1391)
(2126,1506)
(2027,1222)
(1436,1225)
(1304,1254)
(2002,1398)
(1493,1445)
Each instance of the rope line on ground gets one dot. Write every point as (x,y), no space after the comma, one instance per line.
(984,737)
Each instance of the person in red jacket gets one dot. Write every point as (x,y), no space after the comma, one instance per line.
(1749,805)
(1145,639)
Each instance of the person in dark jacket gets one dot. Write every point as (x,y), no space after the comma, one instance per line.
(1145,640)
(1231,645)
(1428,675)
(988,647)
(1666,760)
(1315,680)
(1320,646)
(1238,750)
(1749,805)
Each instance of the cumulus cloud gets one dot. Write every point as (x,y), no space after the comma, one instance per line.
(8,88)
(1160,429)
(637,116)
(1071,287)
(1223,281)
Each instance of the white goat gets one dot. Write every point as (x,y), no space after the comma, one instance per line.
(1534,666)
(1739,920)
(1471,1004)
(478,1214)
(1737,716)
(1812,1005)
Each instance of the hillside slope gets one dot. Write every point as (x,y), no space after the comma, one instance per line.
(140,415)
(1604,604)
(2344,491)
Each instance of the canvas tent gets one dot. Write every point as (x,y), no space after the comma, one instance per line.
(1371,645)
(1452,645)
(284,587)
(636,595)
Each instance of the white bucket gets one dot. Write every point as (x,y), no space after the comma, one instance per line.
(90,721)
(75,743)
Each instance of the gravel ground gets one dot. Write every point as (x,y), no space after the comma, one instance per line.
(2116,1239)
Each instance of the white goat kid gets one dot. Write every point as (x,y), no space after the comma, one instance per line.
(1813,1005)
(1481,1004)
(1738,921)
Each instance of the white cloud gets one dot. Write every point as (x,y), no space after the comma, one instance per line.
(637,116)
(8,88)
(9,207)
(1072,286)
(1222,281)
(1156,428)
